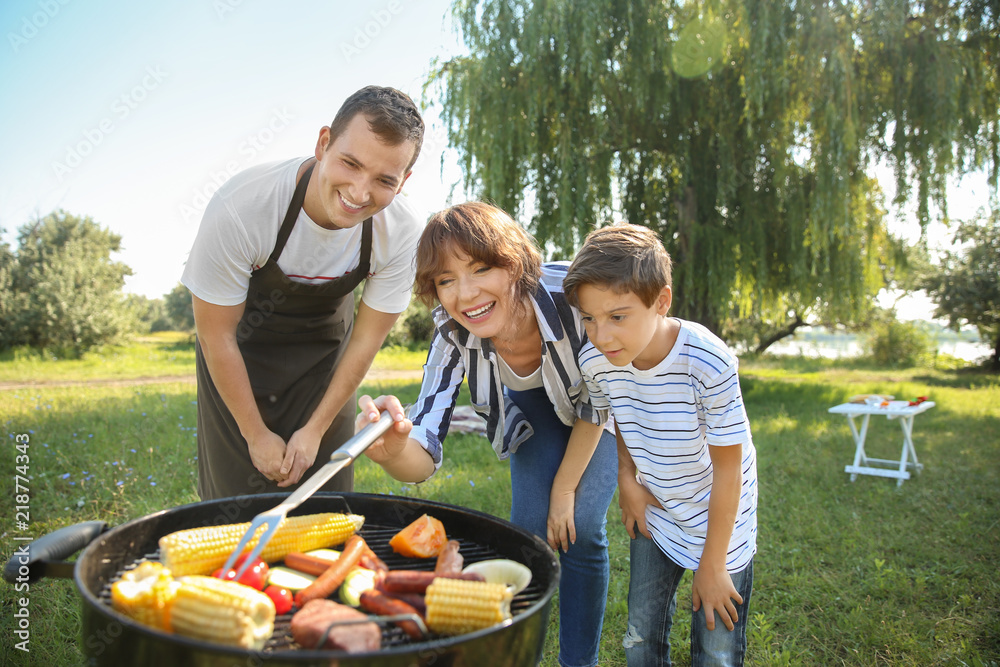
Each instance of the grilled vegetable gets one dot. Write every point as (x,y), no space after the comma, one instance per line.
(202,550)
(424,538)
(255,576)
(145,594)
(288,578)
(222,611)
(330,581)
(502,571)
(281,597)
(356,582)
(455,606)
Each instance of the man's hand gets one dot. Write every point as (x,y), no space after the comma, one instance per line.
(714,590)
(267,451)
(299,455)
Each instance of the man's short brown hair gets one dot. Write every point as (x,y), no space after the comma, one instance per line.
(391,115)
(622,258)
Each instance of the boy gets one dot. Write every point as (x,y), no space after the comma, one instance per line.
(687,473)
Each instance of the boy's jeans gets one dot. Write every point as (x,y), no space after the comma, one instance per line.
(652,600)
(583,589)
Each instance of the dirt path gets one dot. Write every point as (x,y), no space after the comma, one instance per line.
(373,376)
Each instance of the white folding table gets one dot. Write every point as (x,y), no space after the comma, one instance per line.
(863,465)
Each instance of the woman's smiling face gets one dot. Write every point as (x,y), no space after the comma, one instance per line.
(474,294)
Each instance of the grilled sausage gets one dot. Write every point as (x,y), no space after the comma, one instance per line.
(417,581)
(380,604)
(333,577)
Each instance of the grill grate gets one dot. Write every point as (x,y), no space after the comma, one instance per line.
(377,538)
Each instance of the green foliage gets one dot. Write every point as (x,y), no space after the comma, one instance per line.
(742,131)
(179,309)
(896,344)
(966,284)
(61,290)
(414,327)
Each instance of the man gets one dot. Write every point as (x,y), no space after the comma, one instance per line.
(272,272)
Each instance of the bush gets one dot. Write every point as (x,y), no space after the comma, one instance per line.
(414,326)
(898,344)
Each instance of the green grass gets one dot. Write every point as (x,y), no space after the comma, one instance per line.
(860,573)
(154,355)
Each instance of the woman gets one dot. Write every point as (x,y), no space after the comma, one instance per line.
(504,322)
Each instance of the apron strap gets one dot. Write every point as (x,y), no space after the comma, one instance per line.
(291,215)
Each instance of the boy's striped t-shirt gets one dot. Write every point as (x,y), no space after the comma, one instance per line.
(668,416)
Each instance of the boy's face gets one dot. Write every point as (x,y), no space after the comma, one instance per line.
(357,175)
(623,328)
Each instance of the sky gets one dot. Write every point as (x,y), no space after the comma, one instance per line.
(134,113)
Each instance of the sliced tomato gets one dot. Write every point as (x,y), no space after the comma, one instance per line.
(424,538)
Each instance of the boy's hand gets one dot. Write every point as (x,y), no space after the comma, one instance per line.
(633,498)
(561,530)
(714,589)
(392,441)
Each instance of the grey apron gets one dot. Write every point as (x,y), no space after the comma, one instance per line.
(291,336)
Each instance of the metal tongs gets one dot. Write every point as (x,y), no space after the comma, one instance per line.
(272,518)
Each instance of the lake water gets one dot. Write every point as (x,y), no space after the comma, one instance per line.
(837,347)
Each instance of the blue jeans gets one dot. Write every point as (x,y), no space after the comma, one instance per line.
(583,589)
(652,600)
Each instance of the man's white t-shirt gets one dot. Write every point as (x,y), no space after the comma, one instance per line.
(241,223)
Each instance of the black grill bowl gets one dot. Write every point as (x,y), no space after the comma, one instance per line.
(110,638)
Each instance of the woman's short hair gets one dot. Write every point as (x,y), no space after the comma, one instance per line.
(486,234)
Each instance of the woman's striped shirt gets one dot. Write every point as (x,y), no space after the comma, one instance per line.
(668,416)
(455,353)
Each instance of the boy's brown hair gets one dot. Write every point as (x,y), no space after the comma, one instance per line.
(622,258)
(486,234)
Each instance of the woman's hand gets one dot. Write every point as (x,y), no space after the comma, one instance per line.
(561,531)
(393,441)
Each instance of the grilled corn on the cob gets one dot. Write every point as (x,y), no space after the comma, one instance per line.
(145,594)
(457,606)
(204,550)
(222,611)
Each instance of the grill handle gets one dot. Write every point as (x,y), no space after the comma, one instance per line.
(46,556)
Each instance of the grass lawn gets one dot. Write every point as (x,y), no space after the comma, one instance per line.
(860,573)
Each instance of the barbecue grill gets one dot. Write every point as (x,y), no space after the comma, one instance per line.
(110,638)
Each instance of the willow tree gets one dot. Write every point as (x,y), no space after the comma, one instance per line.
(746,132)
